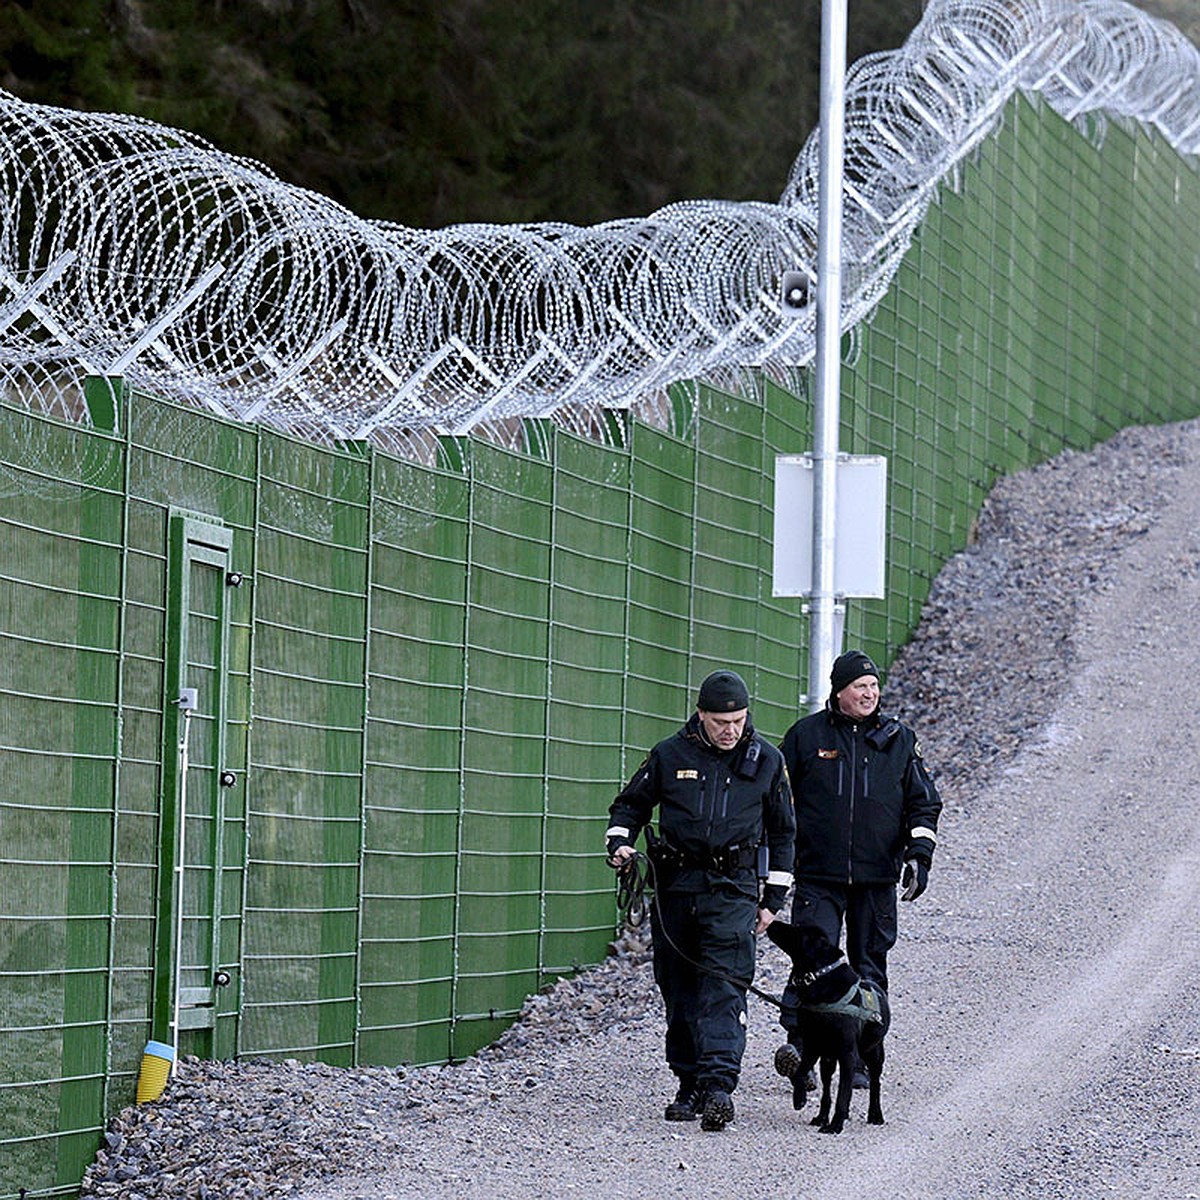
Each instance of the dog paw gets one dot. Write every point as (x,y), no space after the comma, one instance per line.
(832,1127)
(875,1118)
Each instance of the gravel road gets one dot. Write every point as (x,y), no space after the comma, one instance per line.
(1044,1043)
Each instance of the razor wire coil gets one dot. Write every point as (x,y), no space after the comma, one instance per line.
(130,248)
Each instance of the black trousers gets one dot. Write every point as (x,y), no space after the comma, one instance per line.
(705,1003)
(869,913)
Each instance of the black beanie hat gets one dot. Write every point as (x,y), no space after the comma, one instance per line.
(848,667)
(723,691)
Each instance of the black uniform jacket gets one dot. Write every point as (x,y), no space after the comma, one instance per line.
(864,800)
(712,802)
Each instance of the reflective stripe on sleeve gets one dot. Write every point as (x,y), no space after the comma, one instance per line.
(617,831)
(922,832)
(781,879)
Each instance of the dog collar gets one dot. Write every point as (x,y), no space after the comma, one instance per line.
(812,976)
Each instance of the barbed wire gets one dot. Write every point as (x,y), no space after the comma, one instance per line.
(131,249)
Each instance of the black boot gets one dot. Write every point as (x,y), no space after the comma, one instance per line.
(718,1110)
(860,1078)
(787,1060)
(788,1063)
(687,1102)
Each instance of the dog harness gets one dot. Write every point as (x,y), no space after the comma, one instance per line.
(860,1003)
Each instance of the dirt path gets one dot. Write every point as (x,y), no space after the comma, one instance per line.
(1065,932)
(1046,1036)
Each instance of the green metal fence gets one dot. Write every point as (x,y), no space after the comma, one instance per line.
(417,689)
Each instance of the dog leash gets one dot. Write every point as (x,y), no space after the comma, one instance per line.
(632,881)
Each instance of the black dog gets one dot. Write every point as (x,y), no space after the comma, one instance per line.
(831,1016)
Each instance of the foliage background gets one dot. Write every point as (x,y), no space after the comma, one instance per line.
(432,112)
(439,111)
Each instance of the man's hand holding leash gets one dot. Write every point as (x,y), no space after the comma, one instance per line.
(621,857)
(765,917)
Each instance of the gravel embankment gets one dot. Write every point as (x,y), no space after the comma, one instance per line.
(1045,1039)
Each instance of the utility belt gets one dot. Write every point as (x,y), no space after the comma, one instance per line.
(728,860)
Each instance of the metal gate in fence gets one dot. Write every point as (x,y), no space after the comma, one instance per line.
(201,850)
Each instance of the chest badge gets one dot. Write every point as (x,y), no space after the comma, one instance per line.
(827,754)
(683,773)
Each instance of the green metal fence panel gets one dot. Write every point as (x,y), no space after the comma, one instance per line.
(732,524)
(61,506)
(307,752)
(414,762)
(661,550)
(498,918)
(138,790)
(585,716)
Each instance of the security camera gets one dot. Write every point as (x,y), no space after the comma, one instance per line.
(794,292)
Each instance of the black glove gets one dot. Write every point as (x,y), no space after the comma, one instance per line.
(914,880)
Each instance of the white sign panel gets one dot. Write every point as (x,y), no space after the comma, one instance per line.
(860,527)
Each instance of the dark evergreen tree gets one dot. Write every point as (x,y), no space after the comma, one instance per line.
(429,113)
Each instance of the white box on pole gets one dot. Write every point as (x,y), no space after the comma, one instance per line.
(860,526)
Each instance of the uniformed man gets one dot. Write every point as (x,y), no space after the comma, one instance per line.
(866,811)
(722,868)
